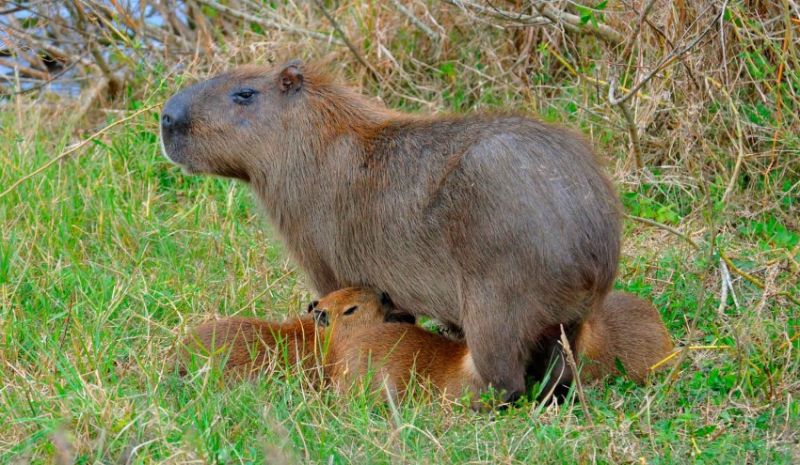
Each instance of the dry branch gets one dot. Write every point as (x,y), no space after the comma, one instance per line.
(416,21)
(347,42)
(666,61)
(266,23)
(24,70)
(601,31)
(520,18)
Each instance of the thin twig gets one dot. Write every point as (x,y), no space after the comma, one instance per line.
(266,23)
(739,139)
(674,354)
(416,21)
(724,257)
(666,228)
(753,280)
(346,41)
(666,61)
(633,131)
(530,20)
(99,60)
(684,352)
(574,367)
(74,148)
(53,78)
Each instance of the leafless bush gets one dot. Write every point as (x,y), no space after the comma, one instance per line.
(706,86)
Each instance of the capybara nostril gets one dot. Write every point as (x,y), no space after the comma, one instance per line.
(175,113)
(321,317)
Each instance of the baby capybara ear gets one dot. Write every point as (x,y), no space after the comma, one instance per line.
(312,306)
(290,79)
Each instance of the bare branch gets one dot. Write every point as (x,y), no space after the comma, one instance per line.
(267,23)
(666,61)
(347,42)
(416,21)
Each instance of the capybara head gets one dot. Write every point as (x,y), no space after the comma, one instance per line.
(213,127)
(356,307)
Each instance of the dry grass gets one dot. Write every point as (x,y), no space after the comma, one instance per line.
(107,255)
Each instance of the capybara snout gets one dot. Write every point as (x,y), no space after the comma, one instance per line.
(243,109)
(321,317)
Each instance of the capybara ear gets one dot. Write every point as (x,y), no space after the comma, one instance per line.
(290,79)
(312,306)
(386,301)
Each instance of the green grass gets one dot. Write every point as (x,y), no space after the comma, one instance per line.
(109,256)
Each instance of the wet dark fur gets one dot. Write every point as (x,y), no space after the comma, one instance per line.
(497,224)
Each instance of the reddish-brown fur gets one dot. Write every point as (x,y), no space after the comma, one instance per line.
(627,330)
(363,343)
(495,224)
(248,346)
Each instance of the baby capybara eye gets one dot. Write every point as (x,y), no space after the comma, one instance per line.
(351,310)
(312,306)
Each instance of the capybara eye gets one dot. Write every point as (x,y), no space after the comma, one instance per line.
(244,96)
(312,305)
(350,310)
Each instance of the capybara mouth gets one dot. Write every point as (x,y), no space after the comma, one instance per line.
(174,152)
(174,128)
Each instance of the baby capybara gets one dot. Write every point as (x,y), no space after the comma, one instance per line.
(365,338)
(245,347)
(626,331)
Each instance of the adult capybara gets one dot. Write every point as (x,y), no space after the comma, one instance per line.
(493,223)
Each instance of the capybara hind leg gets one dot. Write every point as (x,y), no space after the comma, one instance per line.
(493,342)
(556,373)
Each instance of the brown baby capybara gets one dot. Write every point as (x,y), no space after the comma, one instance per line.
(365,337)
(244,347)
(626,331)
(493,223)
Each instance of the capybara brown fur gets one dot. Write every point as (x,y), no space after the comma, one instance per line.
(627,331)
(365,340)
(245,347)
(493,223)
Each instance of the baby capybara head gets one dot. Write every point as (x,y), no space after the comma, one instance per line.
(225,126)
(356,308)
